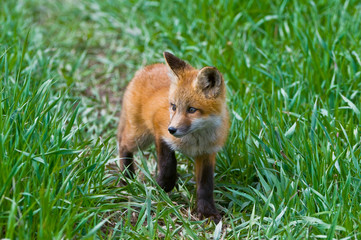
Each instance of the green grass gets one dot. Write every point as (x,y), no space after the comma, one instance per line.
(291,167)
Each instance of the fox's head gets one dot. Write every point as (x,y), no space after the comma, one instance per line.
(196,97)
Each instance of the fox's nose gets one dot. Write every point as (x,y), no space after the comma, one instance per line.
(172,130)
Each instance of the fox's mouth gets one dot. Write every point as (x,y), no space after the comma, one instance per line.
(179,135)
(180,132)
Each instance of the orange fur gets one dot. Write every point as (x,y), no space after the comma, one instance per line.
(148,112)
(145,112)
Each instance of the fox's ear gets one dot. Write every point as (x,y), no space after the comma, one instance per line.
(176,65)
(210,81)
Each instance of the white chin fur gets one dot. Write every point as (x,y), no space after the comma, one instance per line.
(201,124)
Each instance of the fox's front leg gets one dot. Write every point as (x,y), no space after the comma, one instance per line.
(204,177)
(167,166)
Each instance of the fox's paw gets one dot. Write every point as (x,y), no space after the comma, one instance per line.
(207,209)
(167,184)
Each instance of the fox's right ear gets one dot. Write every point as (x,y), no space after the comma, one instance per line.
(176,66)
(210,82)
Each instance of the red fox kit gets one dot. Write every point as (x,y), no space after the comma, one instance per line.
(182,109)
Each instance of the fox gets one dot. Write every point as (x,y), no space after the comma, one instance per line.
(180,108)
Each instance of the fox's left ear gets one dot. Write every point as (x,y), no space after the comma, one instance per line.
(210,81)
(176,65)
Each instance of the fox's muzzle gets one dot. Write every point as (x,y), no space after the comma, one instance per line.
(172,130)
(178,132)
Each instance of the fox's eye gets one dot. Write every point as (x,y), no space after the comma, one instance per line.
(173,106)
(191,110)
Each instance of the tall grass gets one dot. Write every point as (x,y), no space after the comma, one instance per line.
(290,169)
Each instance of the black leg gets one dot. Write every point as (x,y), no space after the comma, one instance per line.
(205,183)
(167,166)
(127,164)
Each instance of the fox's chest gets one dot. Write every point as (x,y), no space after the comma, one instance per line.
(196,143)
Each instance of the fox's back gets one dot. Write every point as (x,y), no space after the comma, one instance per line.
(146,95)
(147,82)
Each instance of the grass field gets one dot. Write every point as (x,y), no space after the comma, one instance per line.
(291,168)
